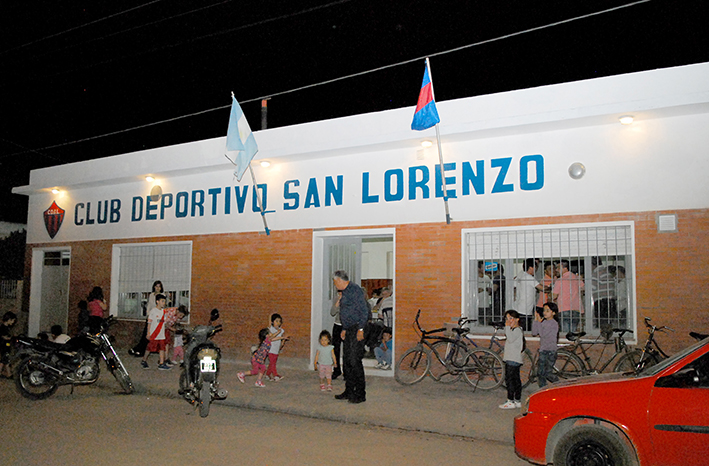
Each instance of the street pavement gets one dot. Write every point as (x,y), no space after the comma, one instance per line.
(447,409)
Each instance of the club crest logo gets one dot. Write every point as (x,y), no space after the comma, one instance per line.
(53,218)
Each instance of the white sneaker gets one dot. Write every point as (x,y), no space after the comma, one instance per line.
(379,365)
(518,404)
(509,405)
(386,367)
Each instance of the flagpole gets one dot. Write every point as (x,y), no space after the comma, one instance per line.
(258,199)
(440,151)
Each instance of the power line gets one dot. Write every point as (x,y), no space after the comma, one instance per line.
(123,31)
(321,83)
(80,26)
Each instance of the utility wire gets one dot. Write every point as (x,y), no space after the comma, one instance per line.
(456,49)
(80,26)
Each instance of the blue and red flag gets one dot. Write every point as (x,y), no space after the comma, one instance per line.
(426,114)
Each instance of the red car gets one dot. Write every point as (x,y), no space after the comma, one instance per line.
(658,417)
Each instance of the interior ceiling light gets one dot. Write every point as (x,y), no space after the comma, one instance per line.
(626,120)
(426,144)
(149,179)
(265,163)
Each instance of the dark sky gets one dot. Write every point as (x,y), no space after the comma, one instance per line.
(75,70)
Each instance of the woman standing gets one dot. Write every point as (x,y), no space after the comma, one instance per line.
(97,309)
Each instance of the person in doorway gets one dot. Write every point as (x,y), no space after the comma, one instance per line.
(336,334)
(97,308)
(58,336)
(384,350)
(8,320)
(156,334)
(354,313)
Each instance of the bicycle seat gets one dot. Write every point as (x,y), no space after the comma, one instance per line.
(621,331)
(573,336)
(498,325)
(698,336)
(461,331)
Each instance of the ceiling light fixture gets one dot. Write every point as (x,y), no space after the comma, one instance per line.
(626,120)
(55,191)
(149,179)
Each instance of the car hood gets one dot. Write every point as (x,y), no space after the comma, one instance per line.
(592,379)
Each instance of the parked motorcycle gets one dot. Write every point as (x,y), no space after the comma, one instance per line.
(42,366)
(198,380)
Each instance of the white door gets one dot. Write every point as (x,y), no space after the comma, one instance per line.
(49,292)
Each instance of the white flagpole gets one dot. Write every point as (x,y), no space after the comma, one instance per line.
(258,199)
(440,151)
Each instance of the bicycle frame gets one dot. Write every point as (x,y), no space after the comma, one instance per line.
(579,347)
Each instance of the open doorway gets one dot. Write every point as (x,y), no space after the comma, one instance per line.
(49,291)
(368,257)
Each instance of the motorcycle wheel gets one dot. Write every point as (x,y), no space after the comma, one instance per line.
(205,399)
(121,374)
(34,383)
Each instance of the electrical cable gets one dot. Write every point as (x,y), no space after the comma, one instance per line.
(329,81)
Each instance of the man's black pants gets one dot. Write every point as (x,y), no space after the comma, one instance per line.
(353,352)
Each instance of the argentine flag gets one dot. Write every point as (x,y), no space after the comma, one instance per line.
(240,140)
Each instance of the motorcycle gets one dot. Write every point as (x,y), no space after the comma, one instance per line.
(198,380)
(42,366)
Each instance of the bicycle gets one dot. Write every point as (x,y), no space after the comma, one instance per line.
(577,352)
(649,355)
(480,367)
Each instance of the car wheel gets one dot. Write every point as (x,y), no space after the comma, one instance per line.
(593,445)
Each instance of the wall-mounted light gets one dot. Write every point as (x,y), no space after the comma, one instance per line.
(149,179)
(265,163)
(626,120)
(426,144)
(55,191)
(577,170)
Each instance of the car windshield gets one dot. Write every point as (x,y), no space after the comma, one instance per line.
(652,370)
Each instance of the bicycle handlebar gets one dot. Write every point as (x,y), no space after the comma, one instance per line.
(654,328)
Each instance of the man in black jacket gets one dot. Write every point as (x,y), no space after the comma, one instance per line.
(354,313)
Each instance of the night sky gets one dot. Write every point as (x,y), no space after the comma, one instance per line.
(77,70)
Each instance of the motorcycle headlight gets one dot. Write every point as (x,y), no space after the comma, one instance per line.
(207,352)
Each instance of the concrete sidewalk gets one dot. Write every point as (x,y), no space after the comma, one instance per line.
(427,406)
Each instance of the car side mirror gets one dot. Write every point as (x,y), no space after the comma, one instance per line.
(685,378)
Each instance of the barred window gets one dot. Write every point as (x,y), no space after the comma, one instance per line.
(586,269)
(140,265)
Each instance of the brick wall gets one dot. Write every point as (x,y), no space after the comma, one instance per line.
(249,276)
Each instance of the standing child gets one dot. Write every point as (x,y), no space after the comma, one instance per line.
(156,334)
(276,335)
(325,360)
(258,360)
(547,328)
(513,360)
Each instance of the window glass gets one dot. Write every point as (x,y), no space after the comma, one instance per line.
(140,265)
(585,269)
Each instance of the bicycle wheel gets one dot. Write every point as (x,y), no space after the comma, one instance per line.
(413,366)
(441,352)
(635,361)
(568,365)
(484,369)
